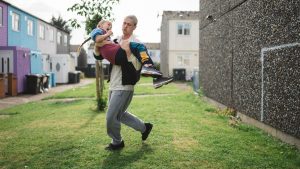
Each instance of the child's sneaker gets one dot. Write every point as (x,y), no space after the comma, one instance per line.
(159,82)
(150,71)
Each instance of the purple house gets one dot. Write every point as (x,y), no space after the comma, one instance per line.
(15,60)
(3,24)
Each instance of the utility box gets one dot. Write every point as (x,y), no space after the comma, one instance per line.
(195,80)
(61,66)
(12,84)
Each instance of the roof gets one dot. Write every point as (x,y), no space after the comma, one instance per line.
(73,48)
(181,14)
(5,1)
(152,46)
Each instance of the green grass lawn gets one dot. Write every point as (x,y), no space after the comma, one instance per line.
(187,133)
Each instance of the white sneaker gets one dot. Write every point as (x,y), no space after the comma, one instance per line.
(160,81)
(150,71)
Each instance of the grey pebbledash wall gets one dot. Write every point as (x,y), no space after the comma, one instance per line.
(250,58)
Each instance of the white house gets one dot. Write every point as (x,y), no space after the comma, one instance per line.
(180,42)
(154,51)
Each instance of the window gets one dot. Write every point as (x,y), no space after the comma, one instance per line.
(58,37)
(186,30)
(42,32)
(179,29)
(183,60)
(51,35)
(30,27)
(15,22)
(183,28)
(1,16)
(65,40)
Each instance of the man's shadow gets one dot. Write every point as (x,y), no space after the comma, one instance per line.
(118,160)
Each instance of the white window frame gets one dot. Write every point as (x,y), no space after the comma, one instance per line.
(58,38)
(29,27)
(65,40)
(1,16)
(51,35)
(15,22)
(184,29)
(183,60)
(42,31)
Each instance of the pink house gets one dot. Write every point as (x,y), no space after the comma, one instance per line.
(3,24)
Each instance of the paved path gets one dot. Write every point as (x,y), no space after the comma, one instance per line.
(25,98)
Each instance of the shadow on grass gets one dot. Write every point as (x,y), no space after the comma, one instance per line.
(117,159)
(8,113)
(94,112)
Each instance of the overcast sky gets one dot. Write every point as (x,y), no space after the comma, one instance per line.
(145,10)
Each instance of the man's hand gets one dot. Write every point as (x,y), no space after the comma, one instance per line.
(125,45)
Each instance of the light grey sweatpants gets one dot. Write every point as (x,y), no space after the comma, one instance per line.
(119,101)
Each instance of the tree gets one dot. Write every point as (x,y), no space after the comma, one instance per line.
(93,11)
(82,59)
(60,23)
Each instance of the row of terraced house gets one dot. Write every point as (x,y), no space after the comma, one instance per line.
(30,45)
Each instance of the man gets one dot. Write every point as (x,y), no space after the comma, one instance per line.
(121,88)
(117,54)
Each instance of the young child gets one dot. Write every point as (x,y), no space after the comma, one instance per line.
(115,54)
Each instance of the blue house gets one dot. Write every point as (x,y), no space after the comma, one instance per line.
(21,29)
(29,45)
(22,32)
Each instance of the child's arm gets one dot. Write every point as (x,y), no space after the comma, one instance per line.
(99,34)
(100,38)
(100,44)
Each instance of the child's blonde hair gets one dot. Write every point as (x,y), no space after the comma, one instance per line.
(100,23)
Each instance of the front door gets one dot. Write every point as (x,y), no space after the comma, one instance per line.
(6,64)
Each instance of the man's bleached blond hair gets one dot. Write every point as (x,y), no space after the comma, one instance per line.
(133,18)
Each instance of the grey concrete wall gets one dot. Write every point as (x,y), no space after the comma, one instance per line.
(164,46)
(249,58)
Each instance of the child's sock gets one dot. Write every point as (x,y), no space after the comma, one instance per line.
(144,56)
